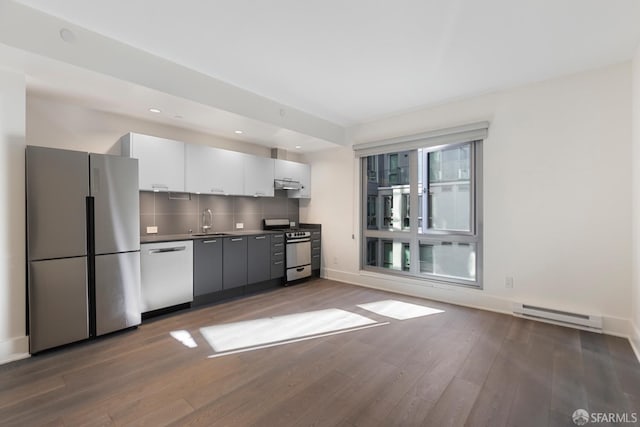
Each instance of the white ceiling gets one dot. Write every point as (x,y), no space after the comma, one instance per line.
(354,61)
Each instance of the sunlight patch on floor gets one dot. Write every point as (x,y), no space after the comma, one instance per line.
(399,310)
(252,333)
(185,338)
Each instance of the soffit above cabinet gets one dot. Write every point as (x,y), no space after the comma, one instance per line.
(78,72)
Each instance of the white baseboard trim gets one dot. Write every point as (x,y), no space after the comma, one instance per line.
(634,338)
(14,349)
(472,298)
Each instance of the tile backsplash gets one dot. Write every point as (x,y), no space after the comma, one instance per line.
(177,213)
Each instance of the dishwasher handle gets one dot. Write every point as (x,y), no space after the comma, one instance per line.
(163,250)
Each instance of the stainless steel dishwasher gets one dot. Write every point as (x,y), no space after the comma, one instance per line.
(167,274)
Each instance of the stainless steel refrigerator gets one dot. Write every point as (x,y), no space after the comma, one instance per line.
(83,246)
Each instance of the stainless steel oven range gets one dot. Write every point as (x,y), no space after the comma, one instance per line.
(298,253)
(298,248)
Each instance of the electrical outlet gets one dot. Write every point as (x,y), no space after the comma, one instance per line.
(152,230)
(239,225)
(508,282)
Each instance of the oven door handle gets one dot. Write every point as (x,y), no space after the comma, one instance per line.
(305,239)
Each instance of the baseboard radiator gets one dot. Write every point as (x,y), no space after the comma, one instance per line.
(587,322)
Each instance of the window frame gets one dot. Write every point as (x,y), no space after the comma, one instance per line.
(474,236)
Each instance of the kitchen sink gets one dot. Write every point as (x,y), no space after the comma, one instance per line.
(209,234)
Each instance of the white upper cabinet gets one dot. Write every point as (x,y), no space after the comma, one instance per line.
(259,173)
(294,171)
(160,161)
(214,171)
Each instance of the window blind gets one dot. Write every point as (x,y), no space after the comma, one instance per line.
(458,134)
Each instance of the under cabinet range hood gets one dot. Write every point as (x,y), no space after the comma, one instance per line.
(286,184)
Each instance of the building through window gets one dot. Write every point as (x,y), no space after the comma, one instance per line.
(422,212)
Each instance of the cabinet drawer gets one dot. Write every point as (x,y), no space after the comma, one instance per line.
(278,256)
(277,247)
(315,261)
(315,243)
(277,238)
(277,269)
(315,251)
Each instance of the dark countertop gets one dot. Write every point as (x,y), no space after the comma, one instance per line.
(178,237)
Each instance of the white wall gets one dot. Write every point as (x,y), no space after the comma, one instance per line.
(636,203)
(13,342)
(557,211)
(55,122)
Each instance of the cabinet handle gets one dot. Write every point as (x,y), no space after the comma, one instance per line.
(316,256)
(261,237)
(217,190)
(278,244)
(209,241)
(277,262)
(259,193)
(300,269)
(166,187)
(278,253)
(162,250)
(238,239)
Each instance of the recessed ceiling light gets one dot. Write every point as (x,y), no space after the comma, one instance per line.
(67,35)
(298,146)
(238,132)
(154,110)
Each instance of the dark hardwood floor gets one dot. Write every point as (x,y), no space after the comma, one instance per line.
(459,367)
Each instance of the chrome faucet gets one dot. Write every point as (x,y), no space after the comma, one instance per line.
(207,220)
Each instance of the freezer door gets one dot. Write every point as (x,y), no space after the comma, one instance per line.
(58,307)
(57,186)
(114,186)
(117,291)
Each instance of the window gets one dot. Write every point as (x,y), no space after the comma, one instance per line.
(443,235)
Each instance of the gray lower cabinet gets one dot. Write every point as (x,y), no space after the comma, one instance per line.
(259,251)
(315,249)
(277,256)
(207,266)
(234,262)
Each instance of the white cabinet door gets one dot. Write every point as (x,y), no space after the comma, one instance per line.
(301,172)
(166,270)
(286,170)
(304,177)
(160,161)
(259,173)
(214,171)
